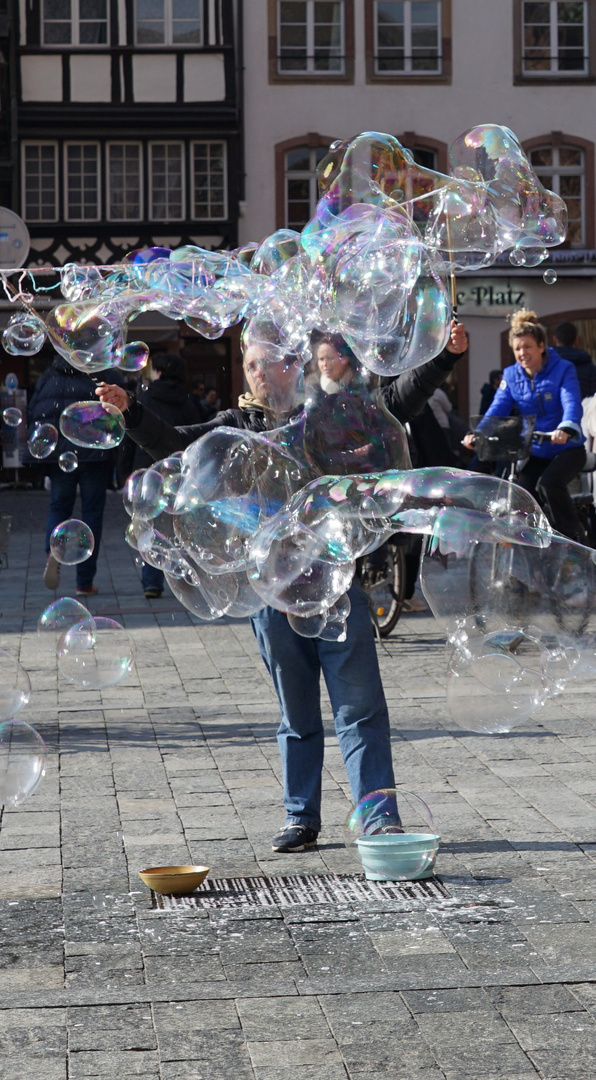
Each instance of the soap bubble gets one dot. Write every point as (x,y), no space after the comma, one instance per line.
(60,616)
(394,833)
(68,461)
(491,692)
(43,440)
(12,417)
(93,424)
(72,542)
(549,277)
(133,356)
(97,657)
(24,335)
(87,334)
(11,381)
(15,686)
(22,762)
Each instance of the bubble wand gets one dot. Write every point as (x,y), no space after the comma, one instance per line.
(451,273)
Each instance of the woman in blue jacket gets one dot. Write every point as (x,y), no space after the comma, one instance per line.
(543,385)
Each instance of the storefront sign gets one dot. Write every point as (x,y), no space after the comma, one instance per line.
(489,296)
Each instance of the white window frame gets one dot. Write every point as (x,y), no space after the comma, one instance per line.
(167,142)
(302,174)
(556,170)
(37,143)
(554,71)
(408,69)
(139,148)
(80,143)
(75,23)
(201,217)
(168,42)
(310,68)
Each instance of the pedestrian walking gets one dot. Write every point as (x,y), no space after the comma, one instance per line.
(58,386)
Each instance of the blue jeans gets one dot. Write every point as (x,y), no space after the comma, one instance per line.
(92,478)
(152,578)
(351,672)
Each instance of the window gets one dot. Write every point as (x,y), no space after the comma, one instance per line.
(168,22)
(561,169)
(209,180)
(311,37)
(407,37)
(82,181)
(75,22)
(554,37)
(124,182)
(300,184)
(40,191)
(166,181)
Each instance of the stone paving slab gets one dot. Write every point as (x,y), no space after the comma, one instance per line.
(495,980)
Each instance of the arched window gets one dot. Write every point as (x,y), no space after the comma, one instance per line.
(565,165)
(296,163)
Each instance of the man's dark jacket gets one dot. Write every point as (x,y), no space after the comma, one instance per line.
(584,366)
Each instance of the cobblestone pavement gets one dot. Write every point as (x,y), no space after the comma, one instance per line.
(491,975)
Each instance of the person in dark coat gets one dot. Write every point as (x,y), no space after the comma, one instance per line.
(165,395)
(565,339)
(488,390)
(58,386)
(350,667)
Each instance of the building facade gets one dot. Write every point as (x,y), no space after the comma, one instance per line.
(121,128)
(426,70)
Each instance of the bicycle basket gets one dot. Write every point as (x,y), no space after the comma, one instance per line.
(502,438)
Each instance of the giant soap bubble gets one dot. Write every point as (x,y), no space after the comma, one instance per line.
(22,762)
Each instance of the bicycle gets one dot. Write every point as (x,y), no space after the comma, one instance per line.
(523,584)
(383,578)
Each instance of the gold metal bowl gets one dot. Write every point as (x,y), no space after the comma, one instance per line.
(174,880)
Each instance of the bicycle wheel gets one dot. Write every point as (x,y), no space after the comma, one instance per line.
(384,579)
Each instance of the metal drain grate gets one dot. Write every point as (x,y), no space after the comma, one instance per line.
(299,889)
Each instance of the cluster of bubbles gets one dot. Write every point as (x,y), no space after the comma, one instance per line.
(22,750)
(238,519)
(372,264)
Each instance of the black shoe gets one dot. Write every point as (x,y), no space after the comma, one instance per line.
(295,838)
